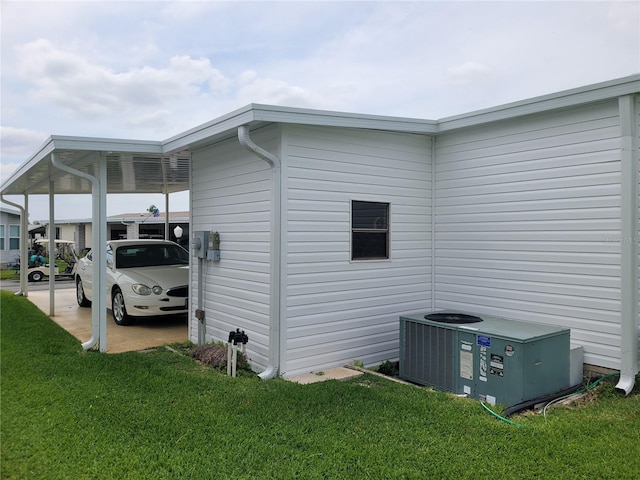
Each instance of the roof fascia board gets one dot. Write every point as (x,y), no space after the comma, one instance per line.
(275,114)
(267,113)
(106,144)
(10,211)
(228,122)
(568,98)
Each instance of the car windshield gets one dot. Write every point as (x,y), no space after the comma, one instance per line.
(133,256)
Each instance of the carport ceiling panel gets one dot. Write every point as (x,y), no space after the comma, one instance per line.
(128,173)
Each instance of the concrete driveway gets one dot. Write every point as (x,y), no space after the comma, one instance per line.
(145,333)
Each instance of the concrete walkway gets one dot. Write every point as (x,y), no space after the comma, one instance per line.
(145,333)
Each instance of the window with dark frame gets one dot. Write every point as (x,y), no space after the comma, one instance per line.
(369,230)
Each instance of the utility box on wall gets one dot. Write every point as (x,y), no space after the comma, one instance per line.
(492,359)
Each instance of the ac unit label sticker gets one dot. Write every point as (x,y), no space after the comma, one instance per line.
(484,341)
(509,350)
(496,366)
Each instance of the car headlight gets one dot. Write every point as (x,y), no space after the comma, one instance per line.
(141,289)
(157,289)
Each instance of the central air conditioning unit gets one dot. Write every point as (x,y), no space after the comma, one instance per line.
(492,359)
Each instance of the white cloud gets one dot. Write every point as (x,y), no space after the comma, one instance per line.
(625,16)
(277,92)
(469,73)
(84,88)
(19,142)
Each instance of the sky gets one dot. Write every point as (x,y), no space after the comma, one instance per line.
(149,70)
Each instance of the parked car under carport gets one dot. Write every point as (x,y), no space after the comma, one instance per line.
(144,278)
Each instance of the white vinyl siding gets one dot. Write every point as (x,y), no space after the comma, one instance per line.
(231,194)
(528,221)
(338,311)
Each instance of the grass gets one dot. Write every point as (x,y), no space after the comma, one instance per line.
(7,274)
(73,414)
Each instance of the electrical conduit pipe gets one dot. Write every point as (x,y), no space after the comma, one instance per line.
(274,328)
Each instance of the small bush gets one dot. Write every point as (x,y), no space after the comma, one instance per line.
(216,357)
(391,369)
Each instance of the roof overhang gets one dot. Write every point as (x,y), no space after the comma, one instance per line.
(258,116)
(133,166)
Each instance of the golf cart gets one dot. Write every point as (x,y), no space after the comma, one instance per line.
(39,266)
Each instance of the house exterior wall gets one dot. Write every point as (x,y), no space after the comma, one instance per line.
(528,223)
(10,222)
(338,310)
(231,194)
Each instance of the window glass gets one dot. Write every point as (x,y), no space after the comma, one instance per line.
(152,255)
(1,237)
(14,237)
(369,230)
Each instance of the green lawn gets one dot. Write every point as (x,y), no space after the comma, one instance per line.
(85,415)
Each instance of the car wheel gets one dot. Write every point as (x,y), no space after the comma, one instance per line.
(118,308)
(82,299)
(35,276)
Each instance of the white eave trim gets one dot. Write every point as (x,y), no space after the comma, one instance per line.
(107,144)
(568,98)
(266,113)
(273,114)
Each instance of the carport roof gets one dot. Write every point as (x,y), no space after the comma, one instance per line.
(132,167)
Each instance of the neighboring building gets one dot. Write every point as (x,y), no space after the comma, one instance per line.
(9,235)
(124,226)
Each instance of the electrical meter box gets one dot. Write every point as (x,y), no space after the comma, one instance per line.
(497,360)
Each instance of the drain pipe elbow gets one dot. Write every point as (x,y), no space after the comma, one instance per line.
(626,383)
(270,372)
(628,369)
(95,329)
(273,366)
(246,142)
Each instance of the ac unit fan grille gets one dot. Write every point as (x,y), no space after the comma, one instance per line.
(428,355)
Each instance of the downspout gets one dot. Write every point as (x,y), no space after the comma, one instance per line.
(167,233)
(95,192)
(433,224)
(628,244)
(274,335)
(24,233)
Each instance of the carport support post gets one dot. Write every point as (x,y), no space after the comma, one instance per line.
(99,239)
(99,242)
(167,233)
(52,258)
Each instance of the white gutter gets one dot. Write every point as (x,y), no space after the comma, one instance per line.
(273,368)
(628,244)
(24,234)
(98,310)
